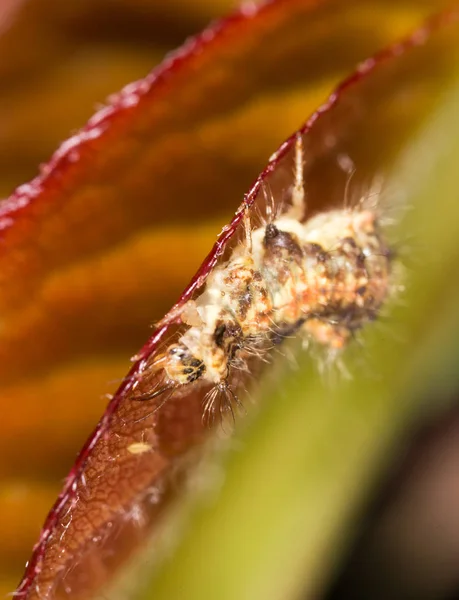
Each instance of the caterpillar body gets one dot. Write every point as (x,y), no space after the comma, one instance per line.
(323,279)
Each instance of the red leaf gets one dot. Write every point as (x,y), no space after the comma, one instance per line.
(108,494)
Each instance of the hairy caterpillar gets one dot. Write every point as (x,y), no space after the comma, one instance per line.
(322,278)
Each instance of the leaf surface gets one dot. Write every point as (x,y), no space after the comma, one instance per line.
(84,268)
